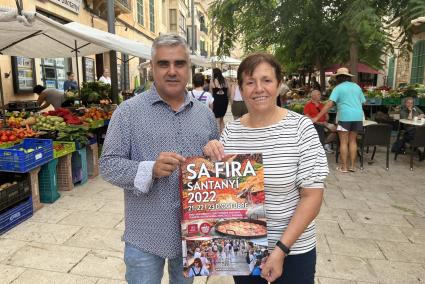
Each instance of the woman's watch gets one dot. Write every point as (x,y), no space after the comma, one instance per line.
(284,248)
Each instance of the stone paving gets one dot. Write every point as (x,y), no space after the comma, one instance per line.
(371,229)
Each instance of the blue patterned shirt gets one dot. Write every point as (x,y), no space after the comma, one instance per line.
(139,130)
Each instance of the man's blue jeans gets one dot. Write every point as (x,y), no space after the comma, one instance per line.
(146,268)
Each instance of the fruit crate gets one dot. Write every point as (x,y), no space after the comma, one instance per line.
(17,190)
(5,145)
(26,156)
(35,189)
(47,179)
(93,160)
(92,139)
(64,173)
(79,166)
(391,101)
(11,217)
(62,148)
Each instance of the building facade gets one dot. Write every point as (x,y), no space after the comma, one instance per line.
(139,20)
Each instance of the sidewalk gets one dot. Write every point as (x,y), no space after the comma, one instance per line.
(371,229)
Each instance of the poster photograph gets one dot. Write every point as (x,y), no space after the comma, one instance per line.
(224,229)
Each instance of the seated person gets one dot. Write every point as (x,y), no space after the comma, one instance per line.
(408,111)
(312,109)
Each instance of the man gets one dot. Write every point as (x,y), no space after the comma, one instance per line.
(314,84)
(408,111)
(147,139)
(105,77)
(313,108)
(49,97)
(70,84)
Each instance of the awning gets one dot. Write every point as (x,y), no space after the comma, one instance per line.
(225,60)
(361,68)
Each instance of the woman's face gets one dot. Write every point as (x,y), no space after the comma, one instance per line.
(261,89)
(197,264)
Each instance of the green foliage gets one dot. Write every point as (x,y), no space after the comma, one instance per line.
(93,92)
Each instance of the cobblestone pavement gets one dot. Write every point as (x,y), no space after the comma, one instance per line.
(371,229)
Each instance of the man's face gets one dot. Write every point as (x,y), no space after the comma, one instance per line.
(170,70)
(106,73)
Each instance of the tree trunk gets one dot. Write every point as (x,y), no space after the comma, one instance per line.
(354,57)
(321,68)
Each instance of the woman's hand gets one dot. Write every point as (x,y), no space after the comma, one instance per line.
(273,267)
(215,150)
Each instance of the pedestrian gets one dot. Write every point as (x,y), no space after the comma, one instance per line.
(198,91)
(105,77)
(70,84)
(147,139)
(197,269)
(295,165)
(219,88)
(49,97)
(348,97)
(238,105)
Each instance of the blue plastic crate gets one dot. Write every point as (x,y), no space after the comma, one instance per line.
(14,159)
(11,217)
(47,182)
(79,166)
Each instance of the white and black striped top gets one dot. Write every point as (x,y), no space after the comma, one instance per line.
(293,159)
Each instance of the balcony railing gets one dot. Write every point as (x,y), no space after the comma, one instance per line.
(100,7)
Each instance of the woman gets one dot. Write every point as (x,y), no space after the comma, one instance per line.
(348,97)
(295,168)
(238,105)
(219,87)
(197,269)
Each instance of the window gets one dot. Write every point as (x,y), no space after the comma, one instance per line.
(152,15)
(140,14)
(173,20)
(418,63)
(390,78)
(53,72)
(182,23)
(88,69)
(23,74)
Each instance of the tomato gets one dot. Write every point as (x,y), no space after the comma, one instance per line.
(8,132)
(12,138)
(21,135)
(4,138)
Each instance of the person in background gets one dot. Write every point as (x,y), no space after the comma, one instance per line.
(148,138)
(295,165)
(219,88)
(49,97)
(198,91)
(105,77)
(408,111)
(238,105)
(311,109)
(314,85)
(70,84)
(207,83)
(348,97)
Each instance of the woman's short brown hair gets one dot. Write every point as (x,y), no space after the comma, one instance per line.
(251,62)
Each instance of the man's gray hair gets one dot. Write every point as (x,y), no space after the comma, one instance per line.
(170,40)
(410,99)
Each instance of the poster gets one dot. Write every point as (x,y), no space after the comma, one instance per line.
(223,224)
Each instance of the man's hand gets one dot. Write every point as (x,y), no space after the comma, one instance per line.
(215,150)
(273,267)
(166,164)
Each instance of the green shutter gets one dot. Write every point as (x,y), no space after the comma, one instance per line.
(390,78)
(418,63)
(152,15)
(140,14)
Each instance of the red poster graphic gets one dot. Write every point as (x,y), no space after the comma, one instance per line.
(223,225)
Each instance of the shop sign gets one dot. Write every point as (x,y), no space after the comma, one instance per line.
(72,5)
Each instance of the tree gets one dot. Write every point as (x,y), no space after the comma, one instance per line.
(313,33)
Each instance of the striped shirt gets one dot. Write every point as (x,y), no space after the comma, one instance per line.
(293,159)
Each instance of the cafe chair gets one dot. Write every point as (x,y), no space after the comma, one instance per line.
(417,142)
(376,135)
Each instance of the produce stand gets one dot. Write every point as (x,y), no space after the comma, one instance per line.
(34,170)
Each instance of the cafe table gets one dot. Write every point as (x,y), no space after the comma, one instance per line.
(418,122)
